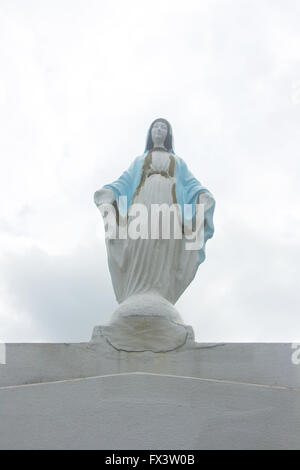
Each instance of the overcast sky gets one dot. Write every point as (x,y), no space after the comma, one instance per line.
(80,83)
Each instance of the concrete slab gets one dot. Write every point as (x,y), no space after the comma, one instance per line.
(148,411)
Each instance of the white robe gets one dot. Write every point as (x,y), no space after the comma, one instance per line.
(161,266)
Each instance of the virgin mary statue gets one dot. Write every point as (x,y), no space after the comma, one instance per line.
(151,267)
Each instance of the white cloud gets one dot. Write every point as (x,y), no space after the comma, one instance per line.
(55,297)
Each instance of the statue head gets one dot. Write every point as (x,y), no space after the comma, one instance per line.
(160,135)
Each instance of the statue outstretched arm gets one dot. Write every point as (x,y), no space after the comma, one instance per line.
(124,187)
(191,191)
(207,199)
(104,196)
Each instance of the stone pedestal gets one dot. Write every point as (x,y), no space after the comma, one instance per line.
(201,396)
(145,322)
(139,334)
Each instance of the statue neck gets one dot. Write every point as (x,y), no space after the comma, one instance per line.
(159,148)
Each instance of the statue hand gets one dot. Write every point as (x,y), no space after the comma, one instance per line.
(206,199)
(104,196)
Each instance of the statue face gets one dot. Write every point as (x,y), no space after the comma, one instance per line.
(159,133)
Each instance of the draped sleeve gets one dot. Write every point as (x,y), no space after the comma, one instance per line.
(190,191)
(124,187)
